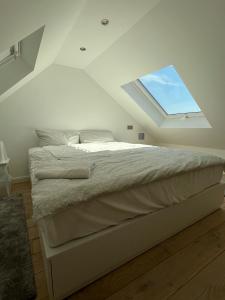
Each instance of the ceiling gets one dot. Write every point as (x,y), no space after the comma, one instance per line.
(186,34)
(20,18)
(96,38)
(142,36)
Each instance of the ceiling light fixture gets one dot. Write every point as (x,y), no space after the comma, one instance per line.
(105,22)
(83,49)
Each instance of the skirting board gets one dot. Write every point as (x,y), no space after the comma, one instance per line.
(80,262)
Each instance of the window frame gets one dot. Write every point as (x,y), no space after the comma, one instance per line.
(150,97)
(14,53)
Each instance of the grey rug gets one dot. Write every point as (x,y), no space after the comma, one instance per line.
(16,270)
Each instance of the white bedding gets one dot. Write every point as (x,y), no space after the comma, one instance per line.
(118,166)
(115,208)
(64,172)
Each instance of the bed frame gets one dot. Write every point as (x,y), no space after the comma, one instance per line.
(77,263)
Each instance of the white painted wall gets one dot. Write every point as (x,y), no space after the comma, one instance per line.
(188,34)
(60,98)
(18,19)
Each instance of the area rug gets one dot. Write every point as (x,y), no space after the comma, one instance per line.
(16,270)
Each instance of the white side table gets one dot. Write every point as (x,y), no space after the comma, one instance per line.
(5,179)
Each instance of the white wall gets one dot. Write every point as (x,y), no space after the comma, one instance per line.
(188,34)
(18,19)
(60,98)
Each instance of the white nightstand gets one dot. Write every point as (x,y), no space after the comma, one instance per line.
(5,179)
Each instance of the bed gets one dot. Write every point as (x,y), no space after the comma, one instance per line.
(130,203)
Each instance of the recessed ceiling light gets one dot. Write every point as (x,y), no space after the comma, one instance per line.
(83,49)
(105,22)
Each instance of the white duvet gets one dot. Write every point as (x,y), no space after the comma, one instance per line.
(117,166)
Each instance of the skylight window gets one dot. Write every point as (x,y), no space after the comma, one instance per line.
(169,91)
(5,54)
(9,54)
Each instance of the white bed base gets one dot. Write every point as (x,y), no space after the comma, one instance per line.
(77,263)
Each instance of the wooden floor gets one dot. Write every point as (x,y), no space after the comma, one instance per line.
(188,266)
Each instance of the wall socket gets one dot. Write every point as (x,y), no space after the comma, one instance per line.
(141,136)
(130,127)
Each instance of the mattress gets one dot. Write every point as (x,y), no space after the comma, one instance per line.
(114,208)
(113,166)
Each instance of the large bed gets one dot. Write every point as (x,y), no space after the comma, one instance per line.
(135,197)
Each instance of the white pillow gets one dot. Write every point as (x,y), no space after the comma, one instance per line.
(72,136)
(51,137)
(93,136)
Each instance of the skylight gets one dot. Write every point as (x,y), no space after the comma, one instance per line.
(5,54)
(9,54)
(169,91)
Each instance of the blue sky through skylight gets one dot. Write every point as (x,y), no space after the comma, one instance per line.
(169,90)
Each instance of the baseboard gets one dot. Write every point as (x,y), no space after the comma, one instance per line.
(20,179)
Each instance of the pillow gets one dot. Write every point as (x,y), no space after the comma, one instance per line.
(93,136)
(72,136)
(52,137)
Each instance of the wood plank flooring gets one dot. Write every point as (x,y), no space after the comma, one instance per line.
(187,266)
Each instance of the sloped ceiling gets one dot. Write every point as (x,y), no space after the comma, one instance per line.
(188,34)
(142,36)
(19,18)
(89,32)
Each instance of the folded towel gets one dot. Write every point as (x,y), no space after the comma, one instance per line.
(63,173)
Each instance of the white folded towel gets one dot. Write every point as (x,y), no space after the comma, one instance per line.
(56,172)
